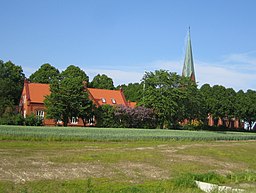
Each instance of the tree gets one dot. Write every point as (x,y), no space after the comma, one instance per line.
(223,101)
(74,71)
(132,91)
(86,110)
(68,97)
(105,116)
(246,106)
(45,74)
(102,81)
(172,97)
(193,103)
(163,96)
(11,84)
(220,102)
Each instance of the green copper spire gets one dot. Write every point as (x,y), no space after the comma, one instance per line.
(188,67)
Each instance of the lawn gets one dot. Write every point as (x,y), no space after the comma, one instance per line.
(52,159)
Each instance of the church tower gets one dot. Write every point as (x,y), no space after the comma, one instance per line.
(188,66)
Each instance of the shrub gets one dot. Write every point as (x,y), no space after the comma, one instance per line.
(138,117)
(105,116)
(16,119)
(32,120)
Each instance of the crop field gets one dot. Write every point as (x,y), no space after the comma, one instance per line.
(57,159)
(114,134)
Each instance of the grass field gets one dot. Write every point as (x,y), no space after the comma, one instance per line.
(114,134)
(52,159)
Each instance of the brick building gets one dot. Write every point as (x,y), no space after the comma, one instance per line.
(33,96)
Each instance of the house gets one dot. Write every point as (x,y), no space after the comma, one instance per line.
(33,96)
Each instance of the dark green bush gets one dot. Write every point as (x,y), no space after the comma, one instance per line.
(32,120)
(12,120)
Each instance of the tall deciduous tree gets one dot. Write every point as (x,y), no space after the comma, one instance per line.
(68,97)
(132,91)
(74,71)
(246,106)
(174,98)
(45,74)
(102,81)
(193,102)
(11,84)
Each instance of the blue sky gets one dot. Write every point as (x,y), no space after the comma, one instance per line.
(124,38)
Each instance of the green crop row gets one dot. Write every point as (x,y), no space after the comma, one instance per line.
(114,134)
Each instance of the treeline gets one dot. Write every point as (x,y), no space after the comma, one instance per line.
(164,99)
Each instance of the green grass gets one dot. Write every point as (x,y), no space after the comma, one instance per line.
(96,186)
(57,159)
(113,134)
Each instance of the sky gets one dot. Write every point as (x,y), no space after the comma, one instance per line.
(125,38)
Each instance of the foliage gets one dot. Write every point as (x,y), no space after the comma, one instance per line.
(103,82)
(45,74)
(11,119)
(246,106)
(32,120)
(172,97)
(11,84)
(138,117)
(227,104)
(132,91)
(74,71)
(68,97)
(125,117)
(105,116)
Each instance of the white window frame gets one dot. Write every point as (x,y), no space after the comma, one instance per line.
(91,121)
(74,120)
(103,100)
(24,99)
(24,113)
(40,114)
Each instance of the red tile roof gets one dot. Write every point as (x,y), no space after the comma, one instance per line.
(132,104)
(110,97)
(36,93)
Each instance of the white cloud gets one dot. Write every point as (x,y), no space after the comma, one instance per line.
(118,76)
(124,76)
(235,70)
(216,75)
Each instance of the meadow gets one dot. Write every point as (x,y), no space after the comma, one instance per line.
(57,159)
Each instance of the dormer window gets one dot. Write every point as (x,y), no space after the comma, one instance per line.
(113,101)
(103,100)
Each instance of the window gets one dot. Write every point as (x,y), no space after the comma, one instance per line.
(74,120)
(40,114)
(113,101)
(59,121)
(91,121)
(103,100)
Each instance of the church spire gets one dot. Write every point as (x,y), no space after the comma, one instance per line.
(188,67)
